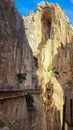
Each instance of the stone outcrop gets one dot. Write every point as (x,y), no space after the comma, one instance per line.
(17,75)
(50,36)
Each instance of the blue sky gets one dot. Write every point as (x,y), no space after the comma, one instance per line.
(25,6)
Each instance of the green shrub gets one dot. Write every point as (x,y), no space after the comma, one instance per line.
(50,67)
(53,71)
(21,77)
(30,101)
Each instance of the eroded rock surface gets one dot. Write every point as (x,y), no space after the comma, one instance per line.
(17,74)
(50,36)
(15,53)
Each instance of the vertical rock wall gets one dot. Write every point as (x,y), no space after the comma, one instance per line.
(17,74)
(15,115)
(50,36)
(15,53)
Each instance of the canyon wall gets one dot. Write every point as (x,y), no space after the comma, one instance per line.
(50,36)
(15,53)
(21,107)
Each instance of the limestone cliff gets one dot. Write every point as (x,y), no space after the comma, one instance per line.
(21,107)
(50,36)
(15,53)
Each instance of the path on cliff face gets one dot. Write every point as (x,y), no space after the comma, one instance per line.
(52,46)
(8,95)
(17,73)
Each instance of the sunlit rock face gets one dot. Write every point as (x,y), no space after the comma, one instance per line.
(50,36)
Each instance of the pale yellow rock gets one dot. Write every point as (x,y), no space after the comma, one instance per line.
(50,36)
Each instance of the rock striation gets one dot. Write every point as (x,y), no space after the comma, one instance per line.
(13,59)
(17,75)
(50,36)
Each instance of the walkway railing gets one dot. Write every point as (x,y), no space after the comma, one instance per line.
(19,93)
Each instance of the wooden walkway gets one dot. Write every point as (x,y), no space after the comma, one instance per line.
(4,95)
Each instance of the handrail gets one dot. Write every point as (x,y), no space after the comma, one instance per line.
(20,90)
(11,97)
(32,91)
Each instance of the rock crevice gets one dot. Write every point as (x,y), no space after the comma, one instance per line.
(53,49)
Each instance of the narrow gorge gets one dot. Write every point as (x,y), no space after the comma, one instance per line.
(36,68)
(50,36)
(21,107)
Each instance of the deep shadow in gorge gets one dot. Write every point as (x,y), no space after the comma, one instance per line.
(62,65)
(61,71)
(59,91)
(51,43)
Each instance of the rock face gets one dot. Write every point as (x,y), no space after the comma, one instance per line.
(15,53)
(15,115)
(17,75)
(50,36)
